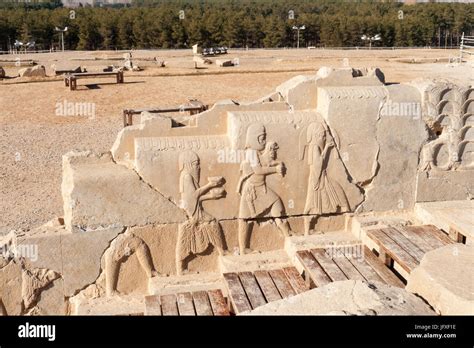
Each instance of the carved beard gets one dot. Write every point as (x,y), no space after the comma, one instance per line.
(320,140)
(195,172)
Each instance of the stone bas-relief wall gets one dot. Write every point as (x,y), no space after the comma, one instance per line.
(176,193)
(447,158)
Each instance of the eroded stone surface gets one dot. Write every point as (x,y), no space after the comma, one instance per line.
(348,298)
(444,279)
(98,193)
(400,133)
(10,290)
(76,256)
(300,92)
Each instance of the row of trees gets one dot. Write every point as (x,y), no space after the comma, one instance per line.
(237,23)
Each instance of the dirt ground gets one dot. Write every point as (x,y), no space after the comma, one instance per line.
(34,137)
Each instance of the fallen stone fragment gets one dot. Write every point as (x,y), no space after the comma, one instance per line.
(348,297)
(444,279)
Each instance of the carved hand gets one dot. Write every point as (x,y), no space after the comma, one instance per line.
(281,169)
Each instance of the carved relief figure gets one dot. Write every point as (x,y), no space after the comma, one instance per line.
(257,199)
(121,248)
(324,194)
(201,229)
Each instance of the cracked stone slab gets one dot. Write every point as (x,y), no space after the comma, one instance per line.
(348,297)
(355,131)
(98,193)
(400,134)
(445,186)
(76,256)
(10,291)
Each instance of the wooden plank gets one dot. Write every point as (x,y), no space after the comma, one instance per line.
(429,238)
(152,305)
(168,305)
(432,231)
(388,276)
(251,288)
(313,269)
(218,303)
(347,268)
(455,235)
(282,284)
(267,285)
(365,269)
(332,270)
(237,295)
(201,303)
(185,304)
(415,239)
(396,252)
(296,281)
(405,243)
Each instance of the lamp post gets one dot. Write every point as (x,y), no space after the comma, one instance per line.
(298,34)
(62,31)
(370,39)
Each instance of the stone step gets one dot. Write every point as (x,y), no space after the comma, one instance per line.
(185,283)
(450,216)
(114,305)
(359,224)
(265,260)
(294,244)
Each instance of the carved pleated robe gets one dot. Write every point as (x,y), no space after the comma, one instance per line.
(324,195)
(201,229)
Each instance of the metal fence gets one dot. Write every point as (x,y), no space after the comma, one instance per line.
(467,46)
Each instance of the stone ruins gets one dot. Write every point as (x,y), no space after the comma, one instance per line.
(252,203)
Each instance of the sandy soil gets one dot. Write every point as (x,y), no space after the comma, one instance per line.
(33,137)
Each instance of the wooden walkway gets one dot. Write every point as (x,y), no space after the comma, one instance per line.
(199,303)
(249,290)
(323,266)
(406,245)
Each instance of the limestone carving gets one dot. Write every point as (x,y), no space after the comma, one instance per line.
(201,229)
(449,114)
(33,282)
(120,250)
(257,199)
(324,194)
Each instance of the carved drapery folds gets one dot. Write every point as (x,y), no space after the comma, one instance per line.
(201,229)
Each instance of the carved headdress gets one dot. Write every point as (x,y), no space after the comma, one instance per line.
(254,131)
(185,162)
